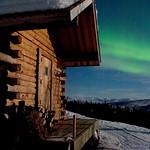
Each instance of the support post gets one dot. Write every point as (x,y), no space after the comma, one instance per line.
(38,65)
(74,126)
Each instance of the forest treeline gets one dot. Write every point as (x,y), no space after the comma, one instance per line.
(110,112)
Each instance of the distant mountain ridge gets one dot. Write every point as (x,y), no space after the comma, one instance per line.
(124,102)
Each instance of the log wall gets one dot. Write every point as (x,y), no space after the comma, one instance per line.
(21,59)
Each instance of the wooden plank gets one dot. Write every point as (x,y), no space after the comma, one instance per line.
(21,89)
(85,135)
(21,76)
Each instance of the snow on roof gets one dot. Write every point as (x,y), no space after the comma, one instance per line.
(18,6)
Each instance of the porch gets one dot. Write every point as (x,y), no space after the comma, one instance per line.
(66,138)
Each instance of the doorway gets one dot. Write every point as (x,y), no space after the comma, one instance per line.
(45,83)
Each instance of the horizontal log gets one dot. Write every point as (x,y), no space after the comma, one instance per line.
(43,37)
(21,89)
(44,32)
(27,66)
(26,83)
(15,81)
(25,50)
(8,59)
(21,76)
(26,43)
(60,74)
(16,102)
(27,72)
(47,55)
(29,60)
(62,78)
(43,40)
(36,42)
(25,96)
(29,46)
(21,57)
(58,69)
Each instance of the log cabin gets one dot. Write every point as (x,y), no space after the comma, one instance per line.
(38,40)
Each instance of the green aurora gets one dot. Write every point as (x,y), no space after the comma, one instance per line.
(125,35)
(125,54)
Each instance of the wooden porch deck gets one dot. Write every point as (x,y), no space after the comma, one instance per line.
(63,133)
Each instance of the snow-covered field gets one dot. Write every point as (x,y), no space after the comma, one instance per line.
(120,136)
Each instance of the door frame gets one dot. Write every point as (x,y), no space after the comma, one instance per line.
(39,77)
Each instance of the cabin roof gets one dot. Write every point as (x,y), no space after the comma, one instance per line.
(72,22)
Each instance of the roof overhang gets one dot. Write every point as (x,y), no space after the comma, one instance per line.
(78,45)
(42,17)
(75,29)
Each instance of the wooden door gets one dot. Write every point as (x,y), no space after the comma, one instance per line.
(45,84)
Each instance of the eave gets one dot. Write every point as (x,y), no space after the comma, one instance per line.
(74,28)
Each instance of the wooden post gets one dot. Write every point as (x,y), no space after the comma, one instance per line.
(38,88)
(69,146)
(74,126)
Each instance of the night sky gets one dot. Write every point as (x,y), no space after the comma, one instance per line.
(124,33)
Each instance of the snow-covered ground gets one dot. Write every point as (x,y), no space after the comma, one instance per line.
(120,136)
